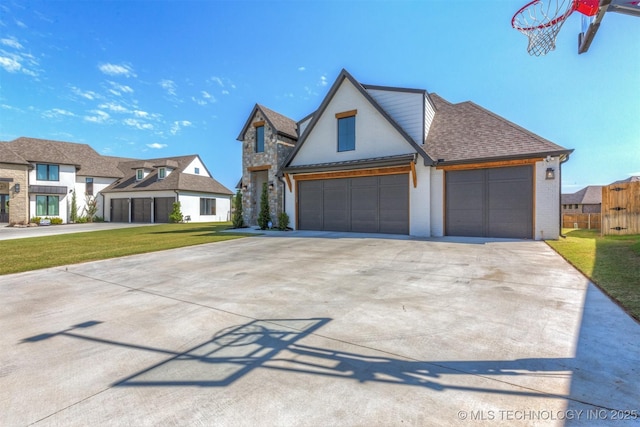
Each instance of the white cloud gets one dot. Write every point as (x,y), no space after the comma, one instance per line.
(117,70)
(200,102)
(112,106)
(225,92)
(205,94)
(99,117)
(10,64)
(217,80)
(323,80)
(11,42)
(21,24)
(141,114)
(138,124)
(169,86)
(301,68)
(157,146)
(57,113)
(118,89)
(87,94)
(178,125)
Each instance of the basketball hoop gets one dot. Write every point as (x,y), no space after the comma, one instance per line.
(541,22)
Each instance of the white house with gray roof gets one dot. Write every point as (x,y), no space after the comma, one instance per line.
(394,160)
(126,190)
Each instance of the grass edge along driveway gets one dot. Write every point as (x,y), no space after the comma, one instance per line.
(611,262)
(34,253)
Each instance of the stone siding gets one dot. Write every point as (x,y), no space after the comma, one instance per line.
(18,202)
(274,155)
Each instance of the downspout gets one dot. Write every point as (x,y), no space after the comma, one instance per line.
(284,194)
(103,201)
(560,192)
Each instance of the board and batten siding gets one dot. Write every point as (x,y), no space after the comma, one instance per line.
(429,114)
(405,108)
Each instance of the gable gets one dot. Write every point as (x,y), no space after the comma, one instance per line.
(376,135)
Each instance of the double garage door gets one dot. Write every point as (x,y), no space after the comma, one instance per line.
(490,202)
(141,209)
(372,204)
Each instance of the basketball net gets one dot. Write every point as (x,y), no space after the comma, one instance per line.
(541,21)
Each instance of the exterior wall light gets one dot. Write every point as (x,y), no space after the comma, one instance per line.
(16,188)
(270,185)
(550,174)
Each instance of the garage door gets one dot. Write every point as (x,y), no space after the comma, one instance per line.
(119,210)
(162,208)
(141,210)
(490,202)
(375,204)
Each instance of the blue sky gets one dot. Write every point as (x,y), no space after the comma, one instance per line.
(152,79)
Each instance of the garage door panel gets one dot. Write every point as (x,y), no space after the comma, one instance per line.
(364,206)
(310,205)
(490,202)
(162,209)
(119,210)
(141,210)
(336,205)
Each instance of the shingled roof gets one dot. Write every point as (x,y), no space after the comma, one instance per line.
(176,180)
(466,132)
(591,195)
(283,125)
(9,156)
(87,161)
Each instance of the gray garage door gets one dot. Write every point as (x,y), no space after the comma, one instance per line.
(141,210)
(490,202)
(162,208)
(119,210)
(376,204)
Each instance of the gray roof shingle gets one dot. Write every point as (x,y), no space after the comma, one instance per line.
(9,156)
(466,132)
(591,195)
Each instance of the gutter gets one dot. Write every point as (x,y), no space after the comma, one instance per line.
(566,159)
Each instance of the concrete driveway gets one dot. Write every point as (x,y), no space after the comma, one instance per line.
(7,233)
(318,329)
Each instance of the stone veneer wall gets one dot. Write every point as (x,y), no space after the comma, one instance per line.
(275,152)
(18,202)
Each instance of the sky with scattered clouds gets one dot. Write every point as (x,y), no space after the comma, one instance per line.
(150,79)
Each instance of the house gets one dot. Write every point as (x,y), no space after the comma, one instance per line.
(40,176)
(394,160)
(586,200)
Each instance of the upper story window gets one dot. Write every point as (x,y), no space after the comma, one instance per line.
(162,173)
(139,174)
(347,130)
(197,171)
(88,189)
(260,139)
(47,172)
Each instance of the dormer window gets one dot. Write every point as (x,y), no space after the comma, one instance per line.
(197,171)
(162,173)
(259,136)
(139,174)
(347,130)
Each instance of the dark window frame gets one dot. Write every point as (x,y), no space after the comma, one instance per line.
(88,186)
(346,133)
(139,174)
(162,173)
(259,139)
(47,172)
(50,205)
(207,206)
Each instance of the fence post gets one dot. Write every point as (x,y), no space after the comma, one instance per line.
(589,221)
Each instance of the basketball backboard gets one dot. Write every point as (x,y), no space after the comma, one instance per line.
(591,24)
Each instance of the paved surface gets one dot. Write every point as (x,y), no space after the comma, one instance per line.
(7,233)
(317,329)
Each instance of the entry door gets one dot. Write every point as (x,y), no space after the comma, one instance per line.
(4,208)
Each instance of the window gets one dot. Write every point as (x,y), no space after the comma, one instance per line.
(162,173)
(88,189)
(259,139)
(346,130)
(197,171)
(207,206)
(47,205)
(139,174)
(47,172)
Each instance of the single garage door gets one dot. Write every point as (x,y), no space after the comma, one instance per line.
(141,210)
(490,202)
(119,210)
(374,204)
(162,208)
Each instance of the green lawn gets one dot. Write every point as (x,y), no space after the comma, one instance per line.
(612,262)
(51,251)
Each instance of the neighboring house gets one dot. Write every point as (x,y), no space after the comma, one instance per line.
(149,188)
(268,138)
(393,160)
(54,170)
(625,181)
(587,200)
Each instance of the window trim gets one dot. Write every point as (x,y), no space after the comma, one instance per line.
(196,171)
(347,115)
(88,184)
(260,142)
(162,173)
(205,203)
(49,168)
(48,205)
(139,174)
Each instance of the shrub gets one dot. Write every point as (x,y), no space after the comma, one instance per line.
(81,220)
(237,220)
(283,221)
(264,217)
(176,214)
(56,221)
(35,220)
(91,207)
(73,215)
(98,219)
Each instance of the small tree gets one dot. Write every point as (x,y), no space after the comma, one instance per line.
(73,216)
(91,207)
(176,214)
(283,221)
(265,216)
(238,220)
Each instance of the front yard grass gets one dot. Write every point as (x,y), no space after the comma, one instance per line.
(612,262)
(42,252)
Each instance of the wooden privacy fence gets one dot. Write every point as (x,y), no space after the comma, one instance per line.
(621,208)
(589,221)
